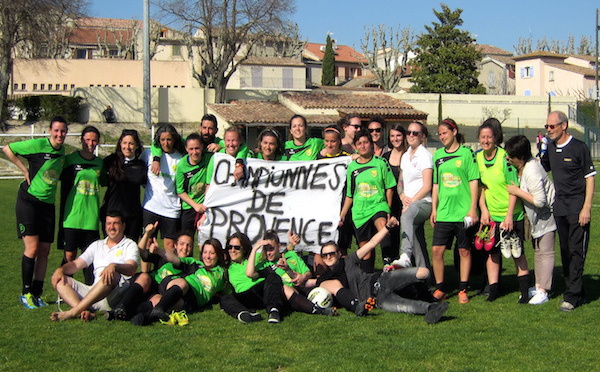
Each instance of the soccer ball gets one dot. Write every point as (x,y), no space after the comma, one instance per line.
(321,297)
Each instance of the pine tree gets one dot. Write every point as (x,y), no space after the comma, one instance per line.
(446,59)
(328,74)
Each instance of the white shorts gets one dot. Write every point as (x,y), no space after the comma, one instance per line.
(113,298)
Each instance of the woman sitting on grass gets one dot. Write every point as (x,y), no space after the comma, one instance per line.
(191,292)
(289,266)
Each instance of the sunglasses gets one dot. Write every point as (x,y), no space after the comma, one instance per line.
(328,254)
(356,126)
(371,130)
(236,247)
(552,126)
(412,133)
(268,248)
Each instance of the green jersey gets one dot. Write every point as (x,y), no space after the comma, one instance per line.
(191,179)
(241,154)
(294,262)
(204,282)
(366,184)
(238,278)
(495,175)
(165,270)
(45,166)
(277,158)
(307,151)
(452,172)
(80,192)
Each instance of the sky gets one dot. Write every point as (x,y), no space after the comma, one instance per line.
(490,22)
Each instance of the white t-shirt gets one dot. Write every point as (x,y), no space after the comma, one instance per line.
(99,254)
(161,194)
(412,170)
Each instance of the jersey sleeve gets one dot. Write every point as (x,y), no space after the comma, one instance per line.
(180,178)
(473,172)
(296,263)
(588,165)
(156,151)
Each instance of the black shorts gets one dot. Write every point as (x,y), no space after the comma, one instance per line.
(368,229)
(444,233)
(189,218)
(34,217)
(168,227)
(74,239)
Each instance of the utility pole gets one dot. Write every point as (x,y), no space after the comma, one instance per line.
(597,89)
(146,41)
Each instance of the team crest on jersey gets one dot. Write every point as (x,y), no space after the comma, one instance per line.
(119,253)
(458,163)
(205,281)
(50,176)
(374,173)
(308,152)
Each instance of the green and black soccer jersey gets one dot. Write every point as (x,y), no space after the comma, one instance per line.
(238,278)
(80,192)
(294,262)
(205,282)
(307,151)
(45,166)
(366,184)
(191,179)
(277,158)
(452,172)
(495,175)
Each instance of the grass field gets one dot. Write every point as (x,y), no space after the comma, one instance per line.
(479,336)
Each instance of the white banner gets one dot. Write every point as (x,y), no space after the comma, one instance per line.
(301,196)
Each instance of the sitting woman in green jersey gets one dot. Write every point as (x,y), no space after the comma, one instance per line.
(300,147)
(193,291)
(290,267)
(269,145)
(369,191)
(139,296)
(249,294)
(499,207)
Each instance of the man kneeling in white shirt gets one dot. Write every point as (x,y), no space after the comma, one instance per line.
(115,260)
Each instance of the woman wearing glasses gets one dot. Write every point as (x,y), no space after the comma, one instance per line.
(123,173)
(375,128)
(454,199)
(417,173)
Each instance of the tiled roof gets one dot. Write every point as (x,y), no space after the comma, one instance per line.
(584,57)
(587,72)
(343,53)
(102,35)
(107,22)
(502,59)
(539,54)
(490,49)
(273,61)
(247,112)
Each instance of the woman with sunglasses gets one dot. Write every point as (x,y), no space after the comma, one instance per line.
(537,192)
(194,291)
(417,173)
(289,266)
(499,207)
(123,173)
(369,192)
(249,294)
(269,145)
(376,127)
(300,147)
(351,124)
(390,247)
(454,199)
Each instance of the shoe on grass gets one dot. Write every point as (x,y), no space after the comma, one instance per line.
(28,301)
(566,306)
(172,320)
(181,318)
(439,295)
(274,316)
(435,312)
(539,298)
(248,317)
(39,302)
(158,314)
(463,297)
(403,261)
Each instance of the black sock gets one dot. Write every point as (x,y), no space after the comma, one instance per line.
(524,287)
(170,298)
(440,286)
(37,287)
(347,299)
(132,298)
(301,303)
(463,286)
(144,307)
(494,293)
(27,270)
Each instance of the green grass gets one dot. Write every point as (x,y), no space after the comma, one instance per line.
(479,336)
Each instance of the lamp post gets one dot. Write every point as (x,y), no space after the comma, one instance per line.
(146,41)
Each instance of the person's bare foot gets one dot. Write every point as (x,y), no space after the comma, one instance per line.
(87,316)
(60,316)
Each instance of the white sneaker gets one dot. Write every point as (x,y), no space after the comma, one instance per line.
(505,243)
(539,298)
(403,261)
(532,291)
(516,249)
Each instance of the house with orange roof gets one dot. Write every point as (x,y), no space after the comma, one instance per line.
(348,63)
(496,70)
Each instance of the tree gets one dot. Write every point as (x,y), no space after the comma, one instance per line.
(387,51)
(286,43)
(221,34)
(28,26)
(525,45)
(446,59)
(328,69)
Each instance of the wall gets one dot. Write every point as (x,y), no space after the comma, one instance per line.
(272,77)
